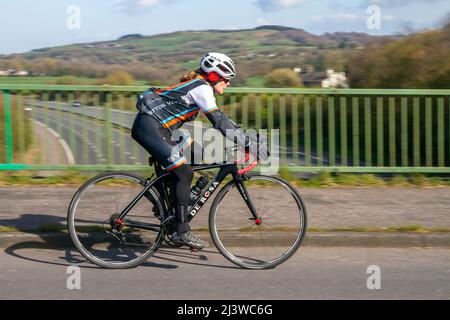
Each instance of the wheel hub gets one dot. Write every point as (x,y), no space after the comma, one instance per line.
(115,222)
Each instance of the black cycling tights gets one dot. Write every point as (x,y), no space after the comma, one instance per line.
(154,138)
(185,175)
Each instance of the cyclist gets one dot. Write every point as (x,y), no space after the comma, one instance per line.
(163,111)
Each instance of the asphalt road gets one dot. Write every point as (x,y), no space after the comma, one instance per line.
(26,207)
(313,273)
(87,139)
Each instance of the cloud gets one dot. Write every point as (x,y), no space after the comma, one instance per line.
(274,5)
(345,22)
(263,21)
(396,3)
(349,18)
(338,17)
(388,18)
(135,6)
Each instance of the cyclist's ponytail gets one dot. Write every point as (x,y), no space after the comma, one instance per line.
(189,76)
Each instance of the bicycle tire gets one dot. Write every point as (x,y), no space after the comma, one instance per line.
(218,235)
(82,248)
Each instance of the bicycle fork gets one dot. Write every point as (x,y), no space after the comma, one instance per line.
(239,182)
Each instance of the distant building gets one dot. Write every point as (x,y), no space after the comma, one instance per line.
(328,79)
(22,73)
(12,72)
(335,80)
(312,79)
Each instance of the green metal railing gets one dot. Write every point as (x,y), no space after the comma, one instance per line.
(345,130)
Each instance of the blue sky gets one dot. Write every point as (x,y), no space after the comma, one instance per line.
(31,24)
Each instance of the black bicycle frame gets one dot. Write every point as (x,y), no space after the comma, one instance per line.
(225,170)
(216,181)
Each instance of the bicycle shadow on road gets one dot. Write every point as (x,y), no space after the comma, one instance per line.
(180,255)
(52,234)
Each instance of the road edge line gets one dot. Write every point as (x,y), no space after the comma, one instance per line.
(67,150)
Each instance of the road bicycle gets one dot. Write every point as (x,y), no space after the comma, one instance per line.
(119,219)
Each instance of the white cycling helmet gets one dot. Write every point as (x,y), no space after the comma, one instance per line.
(218,63)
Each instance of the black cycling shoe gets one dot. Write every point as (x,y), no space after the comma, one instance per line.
(189,239)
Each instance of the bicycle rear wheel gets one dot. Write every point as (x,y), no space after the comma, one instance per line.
(94,210)
(258,244)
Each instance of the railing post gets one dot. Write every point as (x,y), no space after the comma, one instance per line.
(233,102)
(8,127)
(368,130)
(98,141)
(355,131)
(72,127)
(380,132)
(245,111)
(331,132)
(270,115)
(122,143)
(307,129)
(392,135)
(282,122)
(440,128)
(416,132)
(258,110)
(85,131)
(319,131)
(343,130)
(109,140)
(404,131)
(428,133)
(21,128)
(295,131)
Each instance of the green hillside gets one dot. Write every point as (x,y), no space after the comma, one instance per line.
(162,58)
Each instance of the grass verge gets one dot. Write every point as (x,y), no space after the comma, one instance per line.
(327,180)
(322,180)
(402,229)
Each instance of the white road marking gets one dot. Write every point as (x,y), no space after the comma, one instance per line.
(67,150)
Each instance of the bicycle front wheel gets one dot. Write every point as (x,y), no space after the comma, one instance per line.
(259,244)
(94,210)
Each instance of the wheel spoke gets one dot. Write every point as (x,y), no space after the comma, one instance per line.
(89,222)
(269,243)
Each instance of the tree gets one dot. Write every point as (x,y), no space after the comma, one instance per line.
(69,80)
(118,78)
(16,64)
(48,66)
(283,78)
(416,61)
